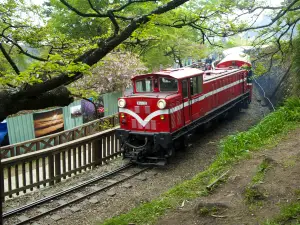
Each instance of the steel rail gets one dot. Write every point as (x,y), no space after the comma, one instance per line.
(64,192)
(80,198)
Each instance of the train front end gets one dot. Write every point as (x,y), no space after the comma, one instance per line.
(144,119)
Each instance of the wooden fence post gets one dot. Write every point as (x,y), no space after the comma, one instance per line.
(51,168)
(57,167)
(57,161)
(97,152)
(1,191)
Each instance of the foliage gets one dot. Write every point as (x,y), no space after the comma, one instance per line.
(49,53)
(68,37)
(168,45)
(112,74)
(63,52)
(70,24)
(236,41)
(296,64)
(232,149)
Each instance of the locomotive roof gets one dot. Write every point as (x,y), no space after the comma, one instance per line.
(179,73)
(182,73)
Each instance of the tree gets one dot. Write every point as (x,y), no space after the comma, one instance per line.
(172,45)
(112,74)
(273,35)
(43,83)
(62,59)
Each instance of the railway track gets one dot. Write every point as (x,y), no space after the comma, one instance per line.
(55,202)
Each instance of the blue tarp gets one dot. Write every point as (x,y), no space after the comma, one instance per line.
(3,130)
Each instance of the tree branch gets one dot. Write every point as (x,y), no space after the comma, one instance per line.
(69,6)
(92,6)
(9,59)
(31,97)
(9,104)
(114,22)
(280,14)
(22,50)
(129,3)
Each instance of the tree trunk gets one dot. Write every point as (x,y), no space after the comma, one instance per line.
(180,62)
(12,103)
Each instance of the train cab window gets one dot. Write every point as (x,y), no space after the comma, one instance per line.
(196,85)
(184,89)
(144,85)
(168,84)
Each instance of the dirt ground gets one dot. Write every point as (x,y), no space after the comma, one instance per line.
(280,186)
(159,180)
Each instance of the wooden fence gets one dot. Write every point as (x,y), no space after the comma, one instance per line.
(59,138)
(49,166)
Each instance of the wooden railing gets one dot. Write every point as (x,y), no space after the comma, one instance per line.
(49,166)
(59,138)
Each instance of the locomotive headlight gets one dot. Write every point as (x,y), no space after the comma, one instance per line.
(121,103)
(161,104)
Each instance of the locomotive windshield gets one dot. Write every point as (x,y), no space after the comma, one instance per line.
(144,85)
(168,84)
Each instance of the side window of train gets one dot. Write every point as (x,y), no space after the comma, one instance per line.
(184,88)
(196,85)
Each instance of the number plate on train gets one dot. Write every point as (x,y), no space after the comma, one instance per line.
(141,103)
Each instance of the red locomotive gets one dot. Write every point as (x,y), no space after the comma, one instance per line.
(166,107)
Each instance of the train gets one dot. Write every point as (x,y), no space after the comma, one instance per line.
(166,107)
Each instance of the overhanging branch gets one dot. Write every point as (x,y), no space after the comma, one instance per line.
(9,59)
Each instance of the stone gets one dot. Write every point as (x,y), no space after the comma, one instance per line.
(79,195)
(75,209)
(23,218)
(34,223)
(141,177)
(111,193)
(152,173)
(94,200)
(126,174)
(230,195)
(127,185)
(55,217)
(42,210)
(95,188)
(111,181)
(61,202)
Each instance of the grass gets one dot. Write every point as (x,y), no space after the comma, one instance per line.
(233,148)
(261,172)
(208,211)
(289,214)
(253,194)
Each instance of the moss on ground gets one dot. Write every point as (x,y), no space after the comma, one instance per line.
(232,148)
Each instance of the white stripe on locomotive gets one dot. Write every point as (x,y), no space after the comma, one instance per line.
(178,107)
